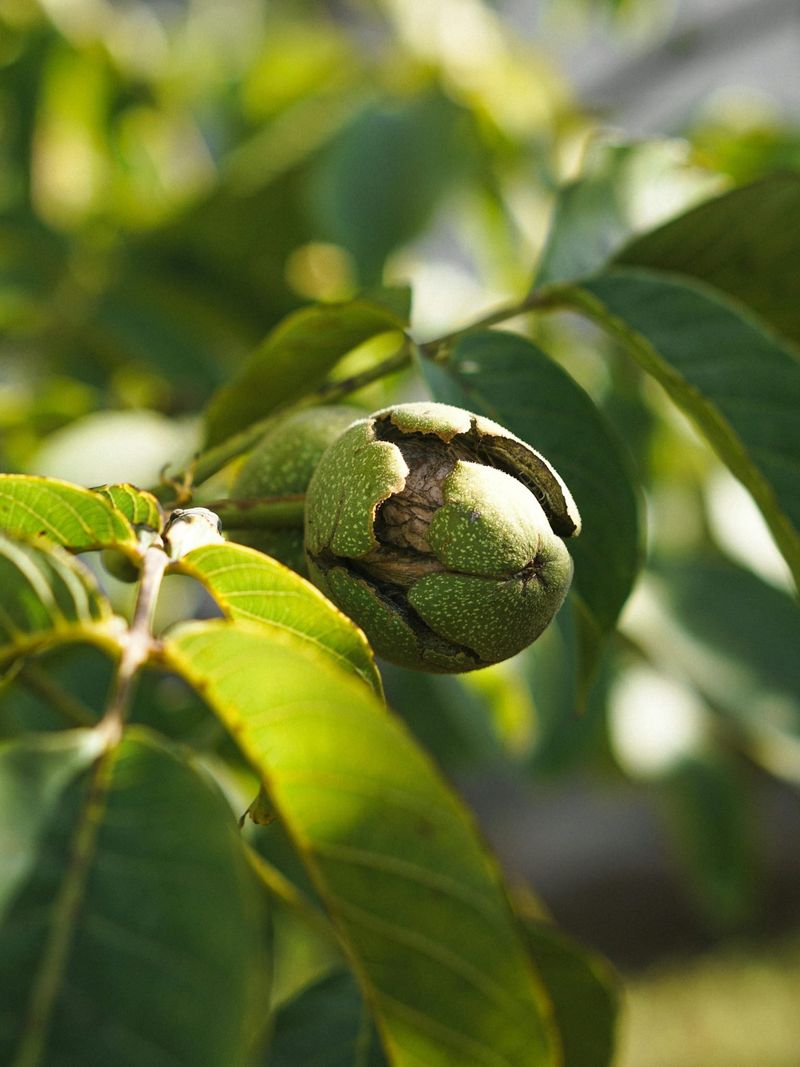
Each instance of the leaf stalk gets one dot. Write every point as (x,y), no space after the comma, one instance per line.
(137,645)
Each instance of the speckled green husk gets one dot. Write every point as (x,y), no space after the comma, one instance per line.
(281,465)
(441,535)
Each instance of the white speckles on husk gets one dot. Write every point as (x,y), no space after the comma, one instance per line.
(358,473)
(440,533)
(282,465)
(285,458)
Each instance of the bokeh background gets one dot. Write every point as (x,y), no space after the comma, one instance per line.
(177,175)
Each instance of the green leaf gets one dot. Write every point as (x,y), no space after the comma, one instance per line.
(744,243)
(326,1026)
(60,687)
(585,994)
(128,919)
(737,382)
(48,598)
(511,380)
(733,636)
(564,741)
(397,298)
(32,258)
(251,586)
(707,807)
(616,195)
(450,720)
(379,180)
(391,851)
(138,506)
(34,508)
(168,322)
(295,358)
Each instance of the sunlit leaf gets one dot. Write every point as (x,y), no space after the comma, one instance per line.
(511,380)
(48,598)
(585,994)
(295,358)
(138,506)
(391,851)
(744,243)
(737,382)
(45,508)
(129,921)
(249,585)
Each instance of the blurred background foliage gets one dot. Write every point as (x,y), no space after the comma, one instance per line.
(177,176)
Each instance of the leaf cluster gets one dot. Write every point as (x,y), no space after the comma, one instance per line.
(357,917)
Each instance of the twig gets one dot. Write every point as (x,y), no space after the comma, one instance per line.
(540,300)
(337,389)
(138,644)
(261,513)
(214,459)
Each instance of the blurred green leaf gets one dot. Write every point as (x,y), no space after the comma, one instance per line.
(327,1025)
(251,586)
(32,260)
(48,598)
(392,852)
(623,188)
(451,721)
(48,509)
(569,726)
(377,183)
(138,506)
(396,298)
(129,929)
(585,994)
(746,147)
(511,380)
(293,360)
(151,316)
(707,807)
(733,635)
(231,248)
(66,685)
(744,243)
(738,383)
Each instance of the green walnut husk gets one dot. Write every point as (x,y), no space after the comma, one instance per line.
(281,465)
(441,534)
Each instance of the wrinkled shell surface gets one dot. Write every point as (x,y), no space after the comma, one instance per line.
(441,535)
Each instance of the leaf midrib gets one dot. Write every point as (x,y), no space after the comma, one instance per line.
(64,915)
